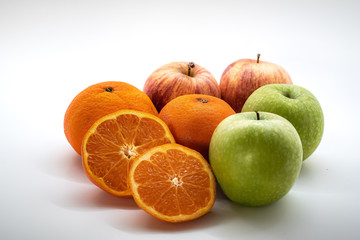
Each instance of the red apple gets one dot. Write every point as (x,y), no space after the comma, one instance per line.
(177,79)
(241,78)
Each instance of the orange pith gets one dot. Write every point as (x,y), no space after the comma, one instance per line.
(114,141)
(172,183)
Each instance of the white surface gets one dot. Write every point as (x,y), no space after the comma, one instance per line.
(51,50)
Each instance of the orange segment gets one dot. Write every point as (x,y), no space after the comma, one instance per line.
(172,183)
(114,141)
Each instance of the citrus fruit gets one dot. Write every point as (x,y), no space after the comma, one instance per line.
(98,100)
(192,119)
(114,141)
(173,183)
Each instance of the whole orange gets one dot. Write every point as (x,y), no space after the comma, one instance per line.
(193,118)
(99,100)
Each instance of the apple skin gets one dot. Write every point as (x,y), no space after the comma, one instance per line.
(173,80)
(243,77)
(296,104)
(256,162)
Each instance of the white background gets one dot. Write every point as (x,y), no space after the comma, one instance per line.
(52,50)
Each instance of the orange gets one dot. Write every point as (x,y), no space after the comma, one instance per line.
(193,118)
(173,183)
(98,100)
(114,141)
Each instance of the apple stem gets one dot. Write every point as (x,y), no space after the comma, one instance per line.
(258,58)
(190,66)
(257,115)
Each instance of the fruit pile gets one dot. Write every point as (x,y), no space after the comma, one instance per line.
(167,146)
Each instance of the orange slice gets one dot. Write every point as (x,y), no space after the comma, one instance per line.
(173,183)
(114,141)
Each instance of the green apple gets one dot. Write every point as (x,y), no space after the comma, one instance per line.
(297,105)
(256,157)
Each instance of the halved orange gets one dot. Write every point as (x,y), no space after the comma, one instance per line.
(114,141)
(173,183)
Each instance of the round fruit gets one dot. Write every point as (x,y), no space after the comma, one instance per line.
(256,157)
(97,101)
(243,77)
(193,118)
(177,79)
(298,105)
(173,183)
(114,141)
